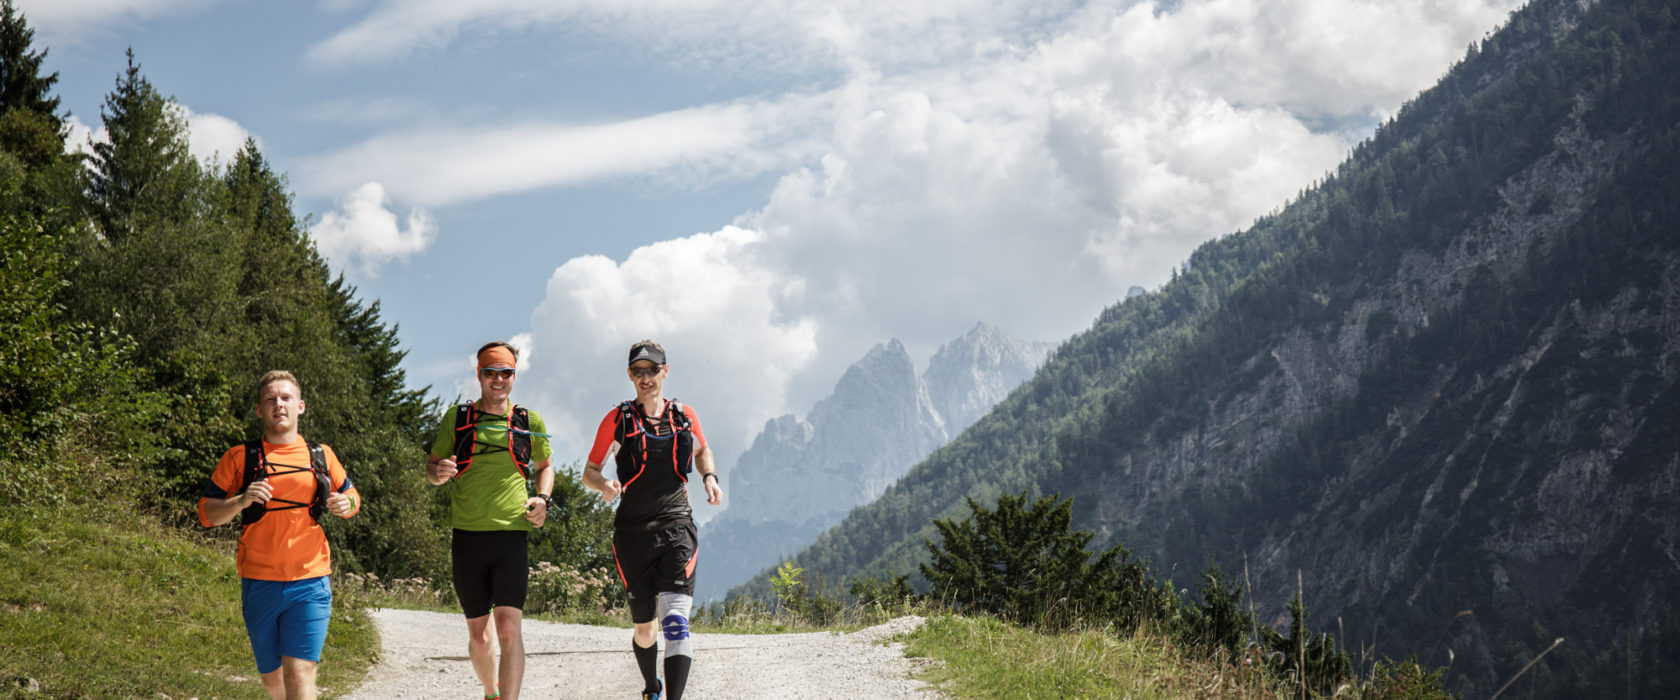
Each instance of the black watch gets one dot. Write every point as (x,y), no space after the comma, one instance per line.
(548,500)
(710,474)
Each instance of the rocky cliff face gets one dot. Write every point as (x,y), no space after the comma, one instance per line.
(969,376)
(1437,396)
(1491,428)
(802,476)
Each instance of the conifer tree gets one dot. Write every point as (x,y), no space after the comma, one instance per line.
(145,169)
(21,83)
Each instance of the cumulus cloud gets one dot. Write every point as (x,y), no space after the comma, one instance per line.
(364,233)
(213,138)
(1027,182)
(712,304)
(81,137)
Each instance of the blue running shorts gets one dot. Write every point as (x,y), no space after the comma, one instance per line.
(286,618)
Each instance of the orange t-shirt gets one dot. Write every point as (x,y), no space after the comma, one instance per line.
(285,545)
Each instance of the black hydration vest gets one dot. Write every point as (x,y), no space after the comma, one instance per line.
(256,469)
(634,446)
(467,443)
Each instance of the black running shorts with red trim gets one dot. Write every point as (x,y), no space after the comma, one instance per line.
(660,560)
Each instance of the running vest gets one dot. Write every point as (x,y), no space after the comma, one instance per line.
(256,469)
(635,443)
(467,442)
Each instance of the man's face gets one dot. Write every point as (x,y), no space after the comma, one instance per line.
(279,404)
(648,377)
(495,382)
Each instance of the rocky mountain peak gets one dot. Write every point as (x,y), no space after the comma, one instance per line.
(802,476)
(969,375)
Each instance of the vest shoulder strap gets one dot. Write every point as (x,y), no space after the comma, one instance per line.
(466,433)
(323,479)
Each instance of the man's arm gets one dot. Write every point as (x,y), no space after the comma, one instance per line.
(594,480)
(218,511)
(708,474)
(536,507)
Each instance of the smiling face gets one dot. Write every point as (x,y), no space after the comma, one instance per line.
(649,379)
(495,382)
(279,404)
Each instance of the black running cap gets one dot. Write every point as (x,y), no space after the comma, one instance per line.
(647,352)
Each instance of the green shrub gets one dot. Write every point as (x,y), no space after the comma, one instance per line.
(1024,564)
(556,590)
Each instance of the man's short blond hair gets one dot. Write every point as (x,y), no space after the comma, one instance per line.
(277,375)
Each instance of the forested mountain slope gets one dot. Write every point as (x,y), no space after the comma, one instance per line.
(1442,380)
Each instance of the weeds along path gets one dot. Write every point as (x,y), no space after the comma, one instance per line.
(423,655)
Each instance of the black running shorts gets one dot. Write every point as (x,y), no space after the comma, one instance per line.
(491,569)
(655,561)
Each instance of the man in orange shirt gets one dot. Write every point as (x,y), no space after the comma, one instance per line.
(281,485)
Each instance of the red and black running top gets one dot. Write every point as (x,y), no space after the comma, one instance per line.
(655,455)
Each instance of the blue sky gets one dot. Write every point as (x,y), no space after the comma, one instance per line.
(769,189)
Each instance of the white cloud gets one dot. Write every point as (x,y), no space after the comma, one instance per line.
(82,137)
(706,298)
(1027,183)
(436,167)
(213,138)
(61,21)
(364,233)
(705,35)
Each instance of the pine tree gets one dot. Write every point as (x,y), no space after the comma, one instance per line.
(1025,563)
(21,84)
(145,171)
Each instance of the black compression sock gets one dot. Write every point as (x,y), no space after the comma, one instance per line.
(676,675)
(647,659)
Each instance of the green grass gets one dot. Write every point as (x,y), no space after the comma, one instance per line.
(983,657)
(97,603)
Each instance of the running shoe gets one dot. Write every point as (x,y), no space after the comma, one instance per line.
(656,692)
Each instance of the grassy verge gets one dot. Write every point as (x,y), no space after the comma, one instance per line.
(985,658)
(95,603)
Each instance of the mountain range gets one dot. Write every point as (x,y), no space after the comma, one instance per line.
(801,476)
(1435,394)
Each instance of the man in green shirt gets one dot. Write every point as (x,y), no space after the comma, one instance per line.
(488,448)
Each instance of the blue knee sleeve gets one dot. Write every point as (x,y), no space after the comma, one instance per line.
(673,624)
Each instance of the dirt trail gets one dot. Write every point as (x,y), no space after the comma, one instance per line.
(424,656)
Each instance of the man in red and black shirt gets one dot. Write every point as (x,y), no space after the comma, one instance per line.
(657,444)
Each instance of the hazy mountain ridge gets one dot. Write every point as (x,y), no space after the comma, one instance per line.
(801,476)
(1443,380)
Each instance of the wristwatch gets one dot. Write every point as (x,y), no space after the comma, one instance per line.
(548,501)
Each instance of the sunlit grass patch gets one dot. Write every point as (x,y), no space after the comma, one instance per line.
(104,604)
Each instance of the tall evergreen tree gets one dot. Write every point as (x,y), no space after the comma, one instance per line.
(145,170)
(21,82)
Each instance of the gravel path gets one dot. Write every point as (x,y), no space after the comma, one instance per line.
(423,655)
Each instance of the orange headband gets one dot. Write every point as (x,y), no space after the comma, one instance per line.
(496,355)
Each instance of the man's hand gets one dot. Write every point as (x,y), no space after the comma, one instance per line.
(258,492)
(446,469)
(340,504)
(536,510)
(714,493)
(611,490)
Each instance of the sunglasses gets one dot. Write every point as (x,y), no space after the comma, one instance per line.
(645,372)
(492,373)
